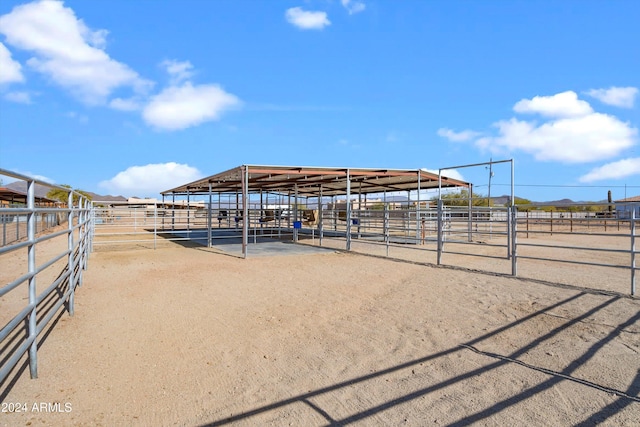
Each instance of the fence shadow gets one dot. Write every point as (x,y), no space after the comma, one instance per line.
(625,397)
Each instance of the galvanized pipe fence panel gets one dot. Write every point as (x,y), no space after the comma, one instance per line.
(44,267)
(594,239)
(147,226)
(517,235)
(500,233)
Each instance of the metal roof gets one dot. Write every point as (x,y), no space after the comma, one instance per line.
(309,179)
(16,196)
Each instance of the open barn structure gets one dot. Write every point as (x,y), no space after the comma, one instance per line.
(260,201)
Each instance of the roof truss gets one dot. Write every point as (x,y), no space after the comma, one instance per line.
(313,181)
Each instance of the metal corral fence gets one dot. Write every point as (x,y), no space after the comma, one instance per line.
(604,239)
(518,240)
(152,225)
(14,224)
(523,236)
(48,285)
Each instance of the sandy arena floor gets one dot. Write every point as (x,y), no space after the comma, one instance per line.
(189,336)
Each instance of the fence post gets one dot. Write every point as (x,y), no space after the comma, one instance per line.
(385,226)
(155,224)
(509,219)
(633,250)
(571,221)
(31,255)
(514,243)
(440,242)
(71,260)
(80,259)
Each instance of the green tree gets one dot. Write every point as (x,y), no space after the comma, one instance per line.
(523,205)
(63,196)
(462,199)
(377,206)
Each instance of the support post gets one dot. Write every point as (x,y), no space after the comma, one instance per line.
(188,216)
(385,223)
(209,217)
(70,257)
(31,257)
(470,212)
(348,207)
(633,249)
(509,224)
(295,212)
(173,211)
(320,223)
(440,234)
(155,226)
(419,223)
(245,210)
(514,241)
(164,210)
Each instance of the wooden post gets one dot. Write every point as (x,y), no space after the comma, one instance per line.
(571,221)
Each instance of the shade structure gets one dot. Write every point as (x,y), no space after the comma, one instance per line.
(248,181)
(312,181)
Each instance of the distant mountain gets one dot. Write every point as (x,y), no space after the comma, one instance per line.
(42,190)
(566,202)
(99,198)
(21,186)
(504,199)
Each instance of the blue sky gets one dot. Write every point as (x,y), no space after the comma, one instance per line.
(134,97)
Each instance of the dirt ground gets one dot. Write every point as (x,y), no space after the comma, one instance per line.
(189,336)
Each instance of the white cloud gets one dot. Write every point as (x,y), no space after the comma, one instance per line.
(353,6)
(10,70)
(180,107)
(449,173)
(178,71)
(565,104)
(149,180)
(617,96)
(571,140)
(79,117)
(131,104)
(67,51)
(34,176)
(307,20)
(19,97)
(616,170)
(572,133)
(465,135)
